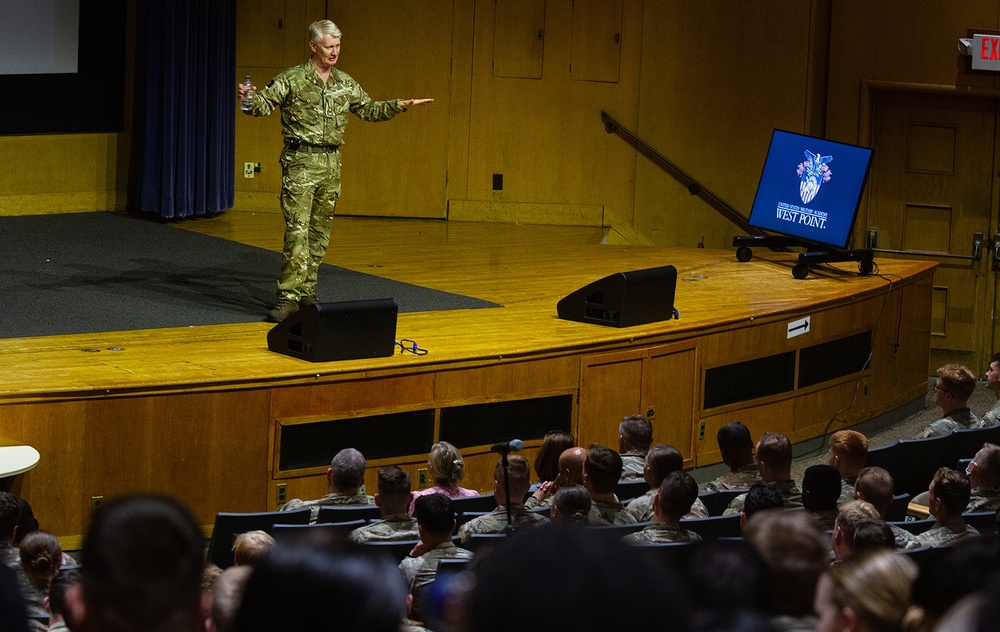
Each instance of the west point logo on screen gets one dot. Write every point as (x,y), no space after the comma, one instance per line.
(813,173)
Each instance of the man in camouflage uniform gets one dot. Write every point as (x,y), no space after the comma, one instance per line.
(314,98)
(984,476)
(820,491)
(601,472)
(848,451)
(345,476)
(774,462)
(850,516)
(635,435)
(570,473)
(876,486)
(496,520)
(992,416)
(736,448)
(660,461)
(393,499)
(949,494)
(673,499)
(436,522)
(955,385)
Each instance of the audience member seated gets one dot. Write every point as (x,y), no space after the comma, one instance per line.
(10,513)
(571,505)
(870,592)
(635,435)
(677,493)
(345,477)
(304,588)
(850,517)
(848,451)
(210,574)
(736,447)
(55,602)
(954,387)
(952,574)
(250,547)
(797,552)
(141,567)
(570,473)
(436,523)
(601,472)
(40,560)
(547,460)
(446,467)
(876,486)
(774,462)
(820,493)
(580,583)
(393,499)
(872,535)
(992,416)
(660,461)
(226,597)
(759,497)
(496,520)
(984,477)
(948,497)
(27,523)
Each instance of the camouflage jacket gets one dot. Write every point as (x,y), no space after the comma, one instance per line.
(607,512)
(335,498)
(641,508)
(743,478)
(496,521)
(946,533)
(633,464)
(983,499)
(662,532)
(392,527)
(790,494)
(959,419)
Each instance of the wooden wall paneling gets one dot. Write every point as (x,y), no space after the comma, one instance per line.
(826,408)
(506,381)
(596,42)
(460,99)
(260,38)
(519,39)
(353,397)
(611,387)
(670,388)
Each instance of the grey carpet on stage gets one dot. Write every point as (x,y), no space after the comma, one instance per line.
(99,272)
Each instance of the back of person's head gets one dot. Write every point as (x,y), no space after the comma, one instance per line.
(227,595)
(446,464)
(250,547)
(725,580)
(41,556)
(820,487)
(956,380)
(796,550)
(434,513)
(876,587)
(734,436)
(57,590)
(571,504)
(142,559)
(26,521)
(775,450)
(875,485)
(677,493)
(850,448)
(571,463)
(209,574)
(303,588)
(600,575)
(603,469)
(519,473)
(662,460)
(853,514)
(13,613)
(987,464)
(873,535)
(761,496)
(952,489)
(347,470)
(637,432)
(394,487)
(10,513)
(950,573)
(547,460)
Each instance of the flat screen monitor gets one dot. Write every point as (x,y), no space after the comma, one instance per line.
(810,188)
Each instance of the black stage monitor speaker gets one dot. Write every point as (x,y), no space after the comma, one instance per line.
(624,299)
(337,331)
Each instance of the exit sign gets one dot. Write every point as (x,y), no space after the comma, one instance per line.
(986,52)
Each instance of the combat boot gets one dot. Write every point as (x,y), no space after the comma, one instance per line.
(285,308)
(306,301)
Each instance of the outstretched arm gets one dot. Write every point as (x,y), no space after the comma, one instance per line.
(406,103)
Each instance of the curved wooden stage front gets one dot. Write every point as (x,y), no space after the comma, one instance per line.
(206,414)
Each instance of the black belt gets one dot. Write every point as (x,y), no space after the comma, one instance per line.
(297,145)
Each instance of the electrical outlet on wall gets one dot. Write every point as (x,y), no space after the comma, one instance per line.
(248,169)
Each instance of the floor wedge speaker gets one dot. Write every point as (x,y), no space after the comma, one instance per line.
(624,299)
(337,331)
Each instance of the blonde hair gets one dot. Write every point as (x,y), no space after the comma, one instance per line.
(877,586)
(446,463)
(41,556)
(250,547)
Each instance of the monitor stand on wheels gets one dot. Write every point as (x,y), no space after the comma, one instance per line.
(815,253)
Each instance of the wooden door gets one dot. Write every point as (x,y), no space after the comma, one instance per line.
(931,196)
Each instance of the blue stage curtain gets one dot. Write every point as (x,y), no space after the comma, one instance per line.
(185,117)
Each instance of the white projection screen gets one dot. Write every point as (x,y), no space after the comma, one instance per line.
(39,37)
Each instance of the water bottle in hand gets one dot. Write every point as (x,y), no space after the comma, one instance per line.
(246,105)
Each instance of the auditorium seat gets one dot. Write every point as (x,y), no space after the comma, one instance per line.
(348,513)
(883,457)
(985,522)
(916,460)
(627,490)
(396,550)
(321,532)
(230,525)
(916,527)
(716,502)
(714,527)
(966,442)
(897,508)
(664,554)
(482,502)
(480,541)
(462,518)
(615,531)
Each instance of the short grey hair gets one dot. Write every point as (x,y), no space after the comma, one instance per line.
(323,27)
(348,467)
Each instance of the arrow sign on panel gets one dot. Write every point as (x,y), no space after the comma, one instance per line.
(799,327)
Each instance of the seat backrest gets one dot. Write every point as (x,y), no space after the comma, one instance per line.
(714,527)
(966,442)
(609,532)
(897,508)
(627,490)
(985,522)
(479,541)
(482,502)
(916,527)
(917,460)
(882,456)
(229,525)
(348,513)
(396,550)
(464,517)
(716,502)
(321,533)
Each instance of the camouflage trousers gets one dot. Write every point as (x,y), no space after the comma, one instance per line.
(310,186)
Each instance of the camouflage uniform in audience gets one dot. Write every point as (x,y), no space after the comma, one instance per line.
(496,521)
(641,508)
(335,498)
(992,416)
(847,489)
(983,499)
(420,571)
(534,503)
(791,494)
(633,464)
(959,419)
(743,478)
(606,512)
(904,539)
(946,533)
(826,518)
(662,532)
(393,527)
